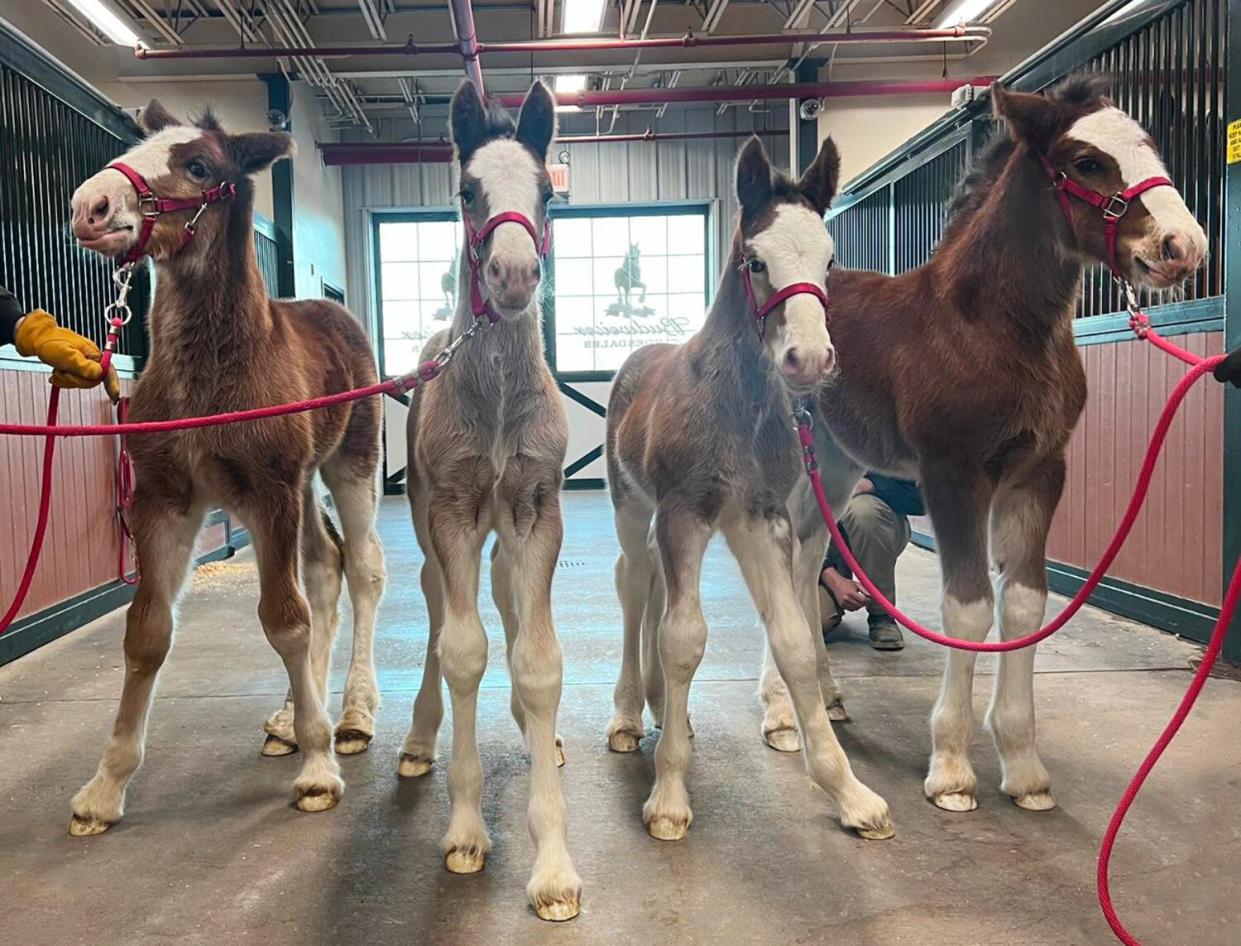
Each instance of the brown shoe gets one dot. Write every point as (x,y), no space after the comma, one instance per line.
(886,636)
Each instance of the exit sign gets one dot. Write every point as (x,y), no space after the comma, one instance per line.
(560,177)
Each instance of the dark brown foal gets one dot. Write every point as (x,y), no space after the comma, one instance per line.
(218,343)
(963,374)
(699,439)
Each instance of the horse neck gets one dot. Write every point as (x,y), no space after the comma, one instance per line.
(730,343)
(212,300)
(1010,259)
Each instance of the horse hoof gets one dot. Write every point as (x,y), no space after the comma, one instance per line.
(783,740)
(955,801)
(663,828)
(560,759)
(319,799)
(837,712)
(1035,801)
(622,741)
(880,833)
(274,747)
(81,827)
(352,742)
(465,862)
(559,910)
(413,766)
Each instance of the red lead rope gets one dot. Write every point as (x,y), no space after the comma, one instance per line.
(1201,366)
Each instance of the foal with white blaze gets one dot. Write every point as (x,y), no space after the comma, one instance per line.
(963,374)
(486,452)
(184,196)
(700,438)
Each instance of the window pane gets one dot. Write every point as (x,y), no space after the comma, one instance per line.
(400,280)
(398,241)
(687,235)
(617,287)
(439,240)
(571,237)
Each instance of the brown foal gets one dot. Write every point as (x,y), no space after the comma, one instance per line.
(699,439)
(963,374)
(218,343)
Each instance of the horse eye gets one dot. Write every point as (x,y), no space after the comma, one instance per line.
(756,265)
(467,196)
(548,193)
(1088,166)
(831,262)
(198,170)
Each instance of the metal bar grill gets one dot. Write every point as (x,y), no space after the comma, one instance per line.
(1169,74)
(50,148)
(861,234)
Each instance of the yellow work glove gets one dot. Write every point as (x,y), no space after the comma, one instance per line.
(73,358)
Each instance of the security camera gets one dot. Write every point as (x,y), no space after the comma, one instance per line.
(277,120)
(810,109)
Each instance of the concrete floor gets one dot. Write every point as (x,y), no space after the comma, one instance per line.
(211,851)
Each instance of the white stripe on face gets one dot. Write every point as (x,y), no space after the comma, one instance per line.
(797,248)
(1124,140)
(509,178)
(150,159)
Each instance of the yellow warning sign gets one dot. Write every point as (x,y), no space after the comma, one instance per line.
(1234,141)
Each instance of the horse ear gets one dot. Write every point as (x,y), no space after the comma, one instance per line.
(536,124)
(753,178)
(818,184)
(1032,119)
(155,118)
(468,121)
(259,150)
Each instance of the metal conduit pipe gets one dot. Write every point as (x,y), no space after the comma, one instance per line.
(470,48)
(467,37)
(747,93)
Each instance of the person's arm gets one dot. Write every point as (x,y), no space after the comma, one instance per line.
(73,358)
(11,313)
(902,495)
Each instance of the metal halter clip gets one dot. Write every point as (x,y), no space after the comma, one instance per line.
(801,414)
(122,278)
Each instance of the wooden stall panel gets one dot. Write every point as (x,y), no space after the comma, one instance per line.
(80,551)
(1176,544)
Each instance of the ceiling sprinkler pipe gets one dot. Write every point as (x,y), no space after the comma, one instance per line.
(470,48)
(467,35)
(749,93)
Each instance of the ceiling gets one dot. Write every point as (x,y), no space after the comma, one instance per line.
(357,92)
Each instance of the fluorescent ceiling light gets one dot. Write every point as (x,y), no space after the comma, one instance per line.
(108,23)
(582,16)
(568,84)
(964,11)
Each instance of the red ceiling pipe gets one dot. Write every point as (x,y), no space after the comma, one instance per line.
(349,153)
(749,93)
(687,41)
(412,152)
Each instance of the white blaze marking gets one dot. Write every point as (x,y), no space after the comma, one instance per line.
(1116,134)
(509,177)
(797,248)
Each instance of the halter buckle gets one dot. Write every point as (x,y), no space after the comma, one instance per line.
(1115,208)
(151,202)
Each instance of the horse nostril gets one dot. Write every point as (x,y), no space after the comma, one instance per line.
(1175,248)
(99,209)
(792,361)
(493,269)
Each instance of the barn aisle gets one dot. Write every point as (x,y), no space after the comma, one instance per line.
(212,852)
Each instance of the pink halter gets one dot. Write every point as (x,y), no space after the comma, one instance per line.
(152,207)
(780,295)
(476,238)
(1113,207)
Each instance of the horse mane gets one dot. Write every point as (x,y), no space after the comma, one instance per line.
(208,120)
(1077,91)
(500,123)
